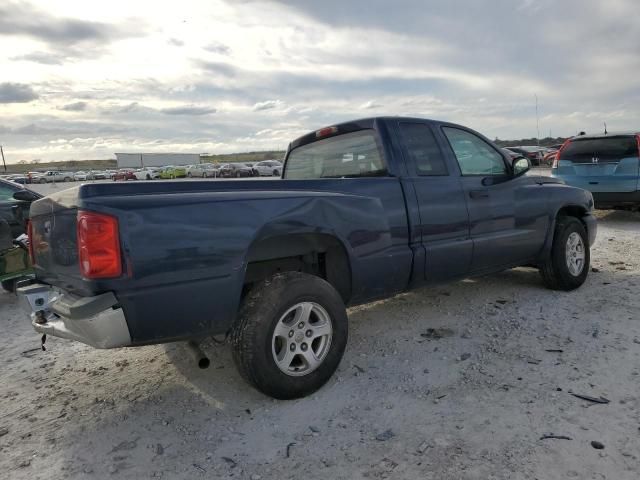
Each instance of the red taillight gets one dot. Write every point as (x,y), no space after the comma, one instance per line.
(323,132)
(557,157)
(98,245)
(638,140)
(31,241)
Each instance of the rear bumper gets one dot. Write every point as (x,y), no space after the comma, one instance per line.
(616,199)
(97,321)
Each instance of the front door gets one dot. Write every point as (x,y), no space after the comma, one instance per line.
(507,215)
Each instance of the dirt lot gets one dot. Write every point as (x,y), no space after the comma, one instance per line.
(455,382)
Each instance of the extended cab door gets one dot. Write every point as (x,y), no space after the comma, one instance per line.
(507,214)
(443,221)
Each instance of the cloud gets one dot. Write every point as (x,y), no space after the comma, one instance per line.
(267,105)
(24,19)
(370,105)
(224,69)
(43,58)
(218,48)
(175,42)
(68,38)
(16,93)
(188,110)
(74,107)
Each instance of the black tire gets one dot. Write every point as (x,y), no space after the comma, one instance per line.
(260,313)
(275,173)
(238,174)
(9,285)
(148,177)
(189,174)
(555,271)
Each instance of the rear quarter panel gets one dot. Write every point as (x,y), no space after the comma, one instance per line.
(186,255)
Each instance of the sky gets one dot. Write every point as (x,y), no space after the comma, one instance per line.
(83,79)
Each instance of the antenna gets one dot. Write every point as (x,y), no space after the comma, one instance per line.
(537,121)
(605,127)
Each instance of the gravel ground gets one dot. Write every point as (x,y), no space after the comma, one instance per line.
(455,382)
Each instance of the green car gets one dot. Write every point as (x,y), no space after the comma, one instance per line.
(171,172)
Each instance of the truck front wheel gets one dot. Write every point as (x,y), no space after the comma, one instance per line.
(290,335)
(569,260)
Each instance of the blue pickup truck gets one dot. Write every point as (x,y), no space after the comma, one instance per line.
(365,210)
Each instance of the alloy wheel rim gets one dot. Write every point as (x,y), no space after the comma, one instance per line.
(301,339)
(575,254)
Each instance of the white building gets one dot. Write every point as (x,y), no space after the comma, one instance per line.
(139,160)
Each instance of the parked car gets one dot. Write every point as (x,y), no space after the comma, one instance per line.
(110,173)
(549,156)
(52,176)
(511,153)
(171,172)
(195,170)
(148,173)
(211,169)
(34,177)
(533,153)
(269,168)
(81,176)
(606,165)
(98,175)
(19,178)
(124,174)
(235,170)
(16,211)
(365,210)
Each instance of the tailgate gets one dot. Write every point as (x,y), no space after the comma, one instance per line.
(602,164)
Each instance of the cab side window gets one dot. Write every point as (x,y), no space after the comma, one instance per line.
(474,155)
(422,148)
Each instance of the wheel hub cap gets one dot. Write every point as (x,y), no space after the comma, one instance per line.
(575,254)
(304,351)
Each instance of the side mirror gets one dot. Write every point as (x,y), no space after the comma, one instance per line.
(26,196)
(520,166)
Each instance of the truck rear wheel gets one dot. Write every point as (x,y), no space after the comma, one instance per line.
(290,335)
(568,264)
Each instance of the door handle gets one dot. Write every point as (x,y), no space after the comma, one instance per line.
(479,193)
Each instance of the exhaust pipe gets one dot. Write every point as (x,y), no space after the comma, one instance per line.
(198,355)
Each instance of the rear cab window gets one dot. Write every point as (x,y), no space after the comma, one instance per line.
(349,155)
(601,149)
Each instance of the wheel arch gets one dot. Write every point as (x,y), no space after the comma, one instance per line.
(567,210)
(320,254)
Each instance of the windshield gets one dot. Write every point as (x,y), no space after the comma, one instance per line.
(350,155)
(604,149)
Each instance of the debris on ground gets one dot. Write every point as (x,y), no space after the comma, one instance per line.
(386,435)
(437,333)
(589,398)
(555,437)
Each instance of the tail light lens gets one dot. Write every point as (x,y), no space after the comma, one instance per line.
(557,157)
(98,245)
(31,239)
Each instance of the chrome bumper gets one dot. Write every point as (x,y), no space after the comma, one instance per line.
(96,321)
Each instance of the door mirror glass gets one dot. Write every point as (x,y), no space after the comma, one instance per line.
(520,166)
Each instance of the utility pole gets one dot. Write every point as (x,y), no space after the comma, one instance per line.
(537,120)
(3,162)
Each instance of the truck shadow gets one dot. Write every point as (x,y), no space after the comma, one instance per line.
(222,384)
